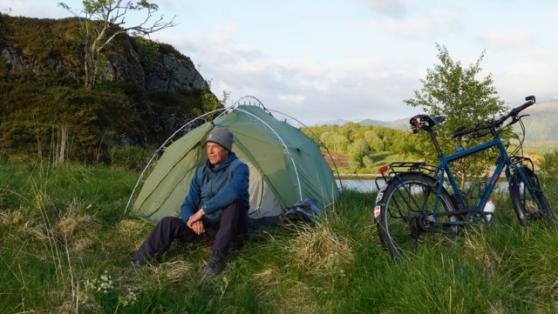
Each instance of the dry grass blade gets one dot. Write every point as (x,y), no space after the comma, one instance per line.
(172,272)
(70,224)
(11,218)
(318,249)
(131,227)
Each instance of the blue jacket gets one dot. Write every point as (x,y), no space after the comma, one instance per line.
(215,187)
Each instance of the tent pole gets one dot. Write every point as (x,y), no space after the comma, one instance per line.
(284,146)
(319,141)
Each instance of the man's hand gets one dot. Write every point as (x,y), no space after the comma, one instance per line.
(197,216)
(197,227)
(195,223)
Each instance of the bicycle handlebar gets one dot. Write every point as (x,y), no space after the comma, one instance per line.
(530,100)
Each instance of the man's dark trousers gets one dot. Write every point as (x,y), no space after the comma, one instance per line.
(233,222)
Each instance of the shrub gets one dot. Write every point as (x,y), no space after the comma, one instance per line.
(549,165)
(130,157)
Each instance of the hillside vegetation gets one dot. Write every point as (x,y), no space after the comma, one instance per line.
(358,148)
(66,246)
(145,91)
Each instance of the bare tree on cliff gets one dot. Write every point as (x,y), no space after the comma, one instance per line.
(102,20)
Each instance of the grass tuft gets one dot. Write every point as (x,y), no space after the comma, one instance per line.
(319,249)
(171,272)
(11,217)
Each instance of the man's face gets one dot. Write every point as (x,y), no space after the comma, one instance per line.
(216,153)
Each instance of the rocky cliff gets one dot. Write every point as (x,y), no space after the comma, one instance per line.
(154,67)
(144,91)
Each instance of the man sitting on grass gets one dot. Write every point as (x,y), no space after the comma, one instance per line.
(216,204)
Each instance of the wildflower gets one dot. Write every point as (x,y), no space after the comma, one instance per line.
(129,299)
(103,285)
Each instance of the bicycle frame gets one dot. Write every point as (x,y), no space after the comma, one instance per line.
(504,161)
(414,199)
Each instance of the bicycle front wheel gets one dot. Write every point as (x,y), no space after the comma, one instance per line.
(529,205)
(403,213)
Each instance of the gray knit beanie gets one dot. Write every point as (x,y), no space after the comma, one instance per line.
(221,136)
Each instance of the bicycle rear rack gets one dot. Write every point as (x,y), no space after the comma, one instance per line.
(389,171)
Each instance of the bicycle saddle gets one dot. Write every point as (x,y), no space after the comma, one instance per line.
(425,122)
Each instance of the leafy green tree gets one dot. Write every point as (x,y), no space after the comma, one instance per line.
(322,136)
(348,130)
(357,150)
(368,162)
(383,140)
(373,140)
(339,143)
(456,92)
(103,20)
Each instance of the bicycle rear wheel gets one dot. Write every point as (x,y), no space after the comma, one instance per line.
(403,213)
(529,206)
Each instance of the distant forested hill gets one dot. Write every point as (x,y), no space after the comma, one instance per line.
(542,122)
(362,147)
(145,91)
(402,124)
(358,148)
(541,126)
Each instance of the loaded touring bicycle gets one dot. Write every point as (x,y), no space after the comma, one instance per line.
(415,202)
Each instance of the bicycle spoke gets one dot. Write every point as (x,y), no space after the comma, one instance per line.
(529,204)
(402,222)
(399,207)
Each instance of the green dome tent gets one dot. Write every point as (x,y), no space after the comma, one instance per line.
(286,166)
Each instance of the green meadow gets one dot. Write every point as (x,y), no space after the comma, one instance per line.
(66,243)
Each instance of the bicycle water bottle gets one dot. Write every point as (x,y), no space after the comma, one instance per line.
(489,208)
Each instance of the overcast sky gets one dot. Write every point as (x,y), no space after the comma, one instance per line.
(352,59)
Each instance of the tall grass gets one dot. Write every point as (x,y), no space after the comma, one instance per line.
(65,247)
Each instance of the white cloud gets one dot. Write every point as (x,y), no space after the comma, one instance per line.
(309,90)
(531,66)
(389,7)
(354,89)
(518,38)
(528,78)
(42,9)
(421,27)
(293,99)
(168,4)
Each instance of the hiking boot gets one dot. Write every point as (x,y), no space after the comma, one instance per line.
(215,265)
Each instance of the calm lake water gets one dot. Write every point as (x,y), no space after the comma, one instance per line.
(360,185)
(368,185)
